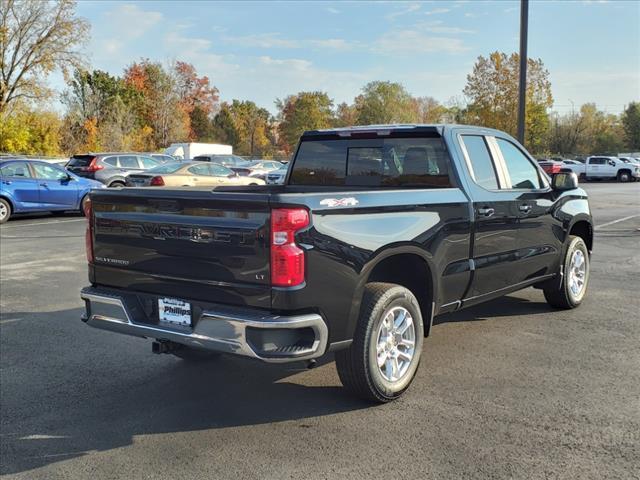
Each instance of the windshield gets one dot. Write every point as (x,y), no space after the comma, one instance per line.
(167,168)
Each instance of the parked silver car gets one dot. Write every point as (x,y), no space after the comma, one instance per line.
(277,176)
(115,175)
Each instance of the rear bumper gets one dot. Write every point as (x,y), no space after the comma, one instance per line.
(239,331)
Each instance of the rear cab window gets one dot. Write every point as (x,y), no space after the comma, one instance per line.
(373,162)
(481,164)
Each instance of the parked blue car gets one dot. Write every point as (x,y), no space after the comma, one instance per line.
(36,186)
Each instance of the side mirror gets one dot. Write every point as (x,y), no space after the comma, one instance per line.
(564,181)
(612,163)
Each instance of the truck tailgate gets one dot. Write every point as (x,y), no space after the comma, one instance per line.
(184,243)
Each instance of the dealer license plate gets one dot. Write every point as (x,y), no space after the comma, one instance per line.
(174,311)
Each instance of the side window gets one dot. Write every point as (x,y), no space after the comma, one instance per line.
(484,172)
(47,172)
(15,169)
(200,170)
(148,162)
(128,161)
(113,161)
(522,172)
(219,170)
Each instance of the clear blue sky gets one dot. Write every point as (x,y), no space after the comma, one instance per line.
(262,51)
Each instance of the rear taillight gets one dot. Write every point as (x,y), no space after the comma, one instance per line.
(94,166)
(88,235)
(157,182)
(287,258)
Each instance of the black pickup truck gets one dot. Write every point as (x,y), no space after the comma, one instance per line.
(375,232)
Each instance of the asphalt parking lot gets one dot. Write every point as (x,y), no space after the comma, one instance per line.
(509,389)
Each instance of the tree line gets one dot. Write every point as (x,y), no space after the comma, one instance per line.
(152,104)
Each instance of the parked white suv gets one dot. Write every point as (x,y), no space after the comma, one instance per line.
(601,167)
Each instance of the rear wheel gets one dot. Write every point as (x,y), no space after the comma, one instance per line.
(571,289)
(194,354)
(384,356)
(116,184)
(5,210)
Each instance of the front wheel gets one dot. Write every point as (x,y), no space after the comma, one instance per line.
(384,356)
(571,289)
(624,177)
(5,210)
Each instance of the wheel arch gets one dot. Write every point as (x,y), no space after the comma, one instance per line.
(117,180)
(406,265)
(583,228)
(9,200)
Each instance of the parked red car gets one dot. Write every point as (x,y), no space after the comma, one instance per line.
(550,167)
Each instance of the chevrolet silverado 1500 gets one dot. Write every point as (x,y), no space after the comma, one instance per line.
(375,231)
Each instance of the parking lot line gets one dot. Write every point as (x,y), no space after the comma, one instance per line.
(44,223)
(598,227)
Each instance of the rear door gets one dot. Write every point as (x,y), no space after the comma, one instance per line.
(496,218)
(56,189)
(129,163)
(17,180)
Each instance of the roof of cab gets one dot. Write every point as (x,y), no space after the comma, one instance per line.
(410,128)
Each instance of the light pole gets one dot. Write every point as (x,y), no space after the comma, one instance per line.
(522,86)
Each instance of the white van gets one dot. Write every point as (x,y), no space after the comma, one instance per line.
(186,151)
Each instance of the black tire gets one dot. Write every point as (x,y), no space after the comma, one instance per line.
(84,199)
(624,176)
(5,210)
(194,354)
(560,294)
(358,365)
(116,184)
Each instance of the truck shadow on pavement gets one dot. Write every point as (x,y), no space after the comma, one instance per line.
(96,391)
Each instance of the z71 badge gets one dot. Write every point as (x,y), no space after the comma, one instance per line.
(339,202)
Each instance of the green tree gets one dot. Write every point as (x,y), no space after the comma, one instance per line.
(631,125)
(252,125)
(224,128)
(202,127)
(300,112)
(492,94)
(384,102)
(429,110)
(36,37)
(160,107)
(346,115)
(105,102)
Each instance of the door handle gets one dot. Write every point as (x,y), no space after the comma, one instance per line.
(44,185)
(486,211)
(7,182)
(525,208)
